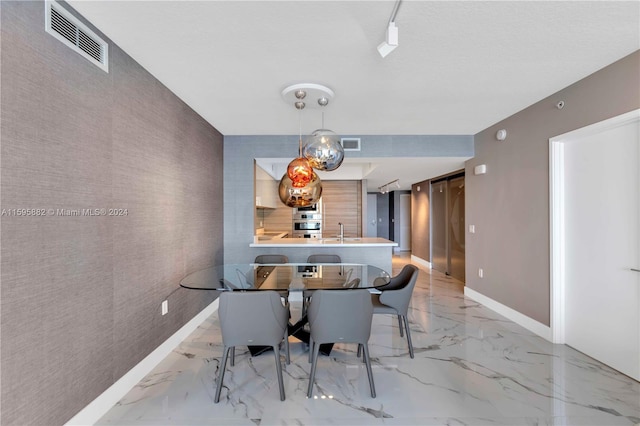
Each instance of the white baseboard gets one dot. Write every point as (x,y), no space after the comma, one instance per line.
(97,408)
(515,316)
(419,261)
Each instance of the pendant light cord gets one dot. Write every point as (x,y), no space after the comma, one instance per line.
(300,131)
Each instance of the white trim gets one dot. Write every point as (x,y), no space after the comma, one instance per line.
(557,215)
(511,314)
(98,407)
(609,123)
(557,229)
(419,261)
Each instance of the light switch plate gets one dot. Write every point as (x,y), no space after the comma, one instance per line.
(165,307)
(480,170)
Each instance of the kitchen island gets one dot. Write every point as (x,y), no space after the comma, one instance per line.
(372,251)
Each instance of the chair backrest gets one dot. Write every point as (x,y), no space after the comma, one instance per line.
(271,258)
(340,316)
(399,280)
(252,318)
(398,293)
(324,258)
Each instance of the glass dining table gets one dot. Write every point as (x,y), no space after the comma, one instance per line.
(288,278)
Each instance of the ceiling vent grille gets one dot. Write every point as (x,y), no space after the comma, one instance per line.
(350,144)
(68,29)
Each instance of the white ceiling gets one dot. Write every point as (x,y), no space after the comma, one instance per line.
(460,67)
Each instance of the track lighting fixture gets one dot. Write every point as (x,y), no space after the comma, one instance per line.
(388,187)
(391,39)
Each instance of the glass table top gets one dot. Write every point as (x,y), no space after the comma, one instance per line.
(289,276)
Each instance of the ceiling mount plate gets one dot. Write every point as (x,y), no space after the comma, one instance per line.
(315,95)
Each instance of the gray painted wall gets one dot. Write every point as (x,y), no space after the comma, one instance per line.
(81,295)
(509,205)
(240,151)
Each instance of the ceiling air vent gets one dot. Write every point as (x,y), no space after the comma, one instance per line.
(68,29)
(350,144)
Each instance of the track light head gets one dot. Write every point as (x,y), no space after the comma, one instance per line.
(391,41)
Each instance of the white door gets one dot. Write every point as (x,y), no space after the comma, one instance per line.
(372,215)
(601,242)
(405,222)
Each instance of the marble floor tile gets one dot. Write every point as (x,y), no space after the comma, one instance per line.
(471,367)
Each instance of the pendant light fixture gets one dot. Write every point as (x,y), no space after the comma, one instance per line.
(300,186)
(299,170)
(324,150)
(299,197)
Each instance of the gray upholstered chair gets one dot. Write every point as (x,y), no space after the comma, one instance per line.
(252,318)
(354,283)
(317,258)
(271,258)
(274,259)
(395,298)
(324,258)
(340,316)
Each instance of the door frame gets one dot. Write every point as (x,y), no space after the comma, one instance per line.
(557,215)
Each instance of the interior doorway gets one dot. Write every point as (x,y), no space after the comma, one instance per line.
(595,241)
(405,222)
(372,216)
(448,225)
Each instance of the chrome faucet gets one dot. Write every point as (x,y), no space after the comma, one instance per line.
(341,236)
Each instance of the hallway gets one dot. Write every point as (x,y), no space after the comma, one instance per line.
(471,367)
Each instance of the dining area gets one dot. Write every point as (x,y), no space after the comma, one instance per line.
(271,304)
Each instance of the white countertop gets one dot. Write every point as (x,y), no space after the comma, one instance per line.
(268,236)
(325,242)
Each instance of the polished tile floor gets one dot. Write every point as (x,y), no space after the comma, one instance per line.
(471,367)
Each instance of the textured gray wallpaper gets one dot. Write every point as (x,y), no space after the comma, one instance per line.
(509,205)
(80,295)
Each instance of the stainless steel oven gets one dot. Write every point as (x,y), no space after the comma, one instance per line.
(315,208)
(307,225)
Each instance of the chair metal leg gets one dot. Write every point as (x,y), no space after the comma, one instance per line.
(312,374)
(365,347)
(400,325)
(310,349)
(406,322)
(276,351)
(223,366)
(233,356)
(359,351)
